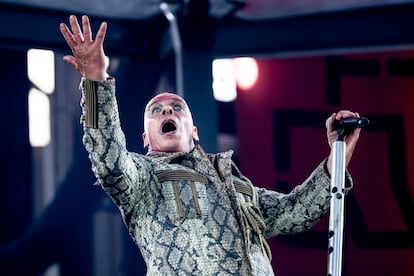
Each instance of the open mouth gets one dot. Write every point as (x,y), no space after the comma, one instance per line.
(168,127)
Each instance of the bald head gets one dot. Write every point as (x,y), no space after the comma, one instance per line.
(168,124)
(165,95)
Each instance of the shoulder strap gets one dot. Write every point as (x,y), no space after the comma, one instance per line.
(174,175)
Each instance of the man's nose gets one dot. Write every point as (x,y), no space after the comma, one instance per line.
(166,110)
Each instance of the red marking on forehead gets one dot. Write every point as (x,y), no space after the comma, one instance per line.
(165,97)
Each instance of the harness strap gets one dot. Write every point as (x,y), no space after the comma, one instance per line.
(254,221)
(242,187)
(251,214)
(171,175)
(177,175)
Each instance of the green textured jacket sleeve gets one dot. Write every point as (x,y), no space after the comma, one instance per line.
(104,140)
(300,209)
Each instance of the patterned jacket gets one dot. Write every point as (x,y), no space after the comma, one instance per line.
(192,213)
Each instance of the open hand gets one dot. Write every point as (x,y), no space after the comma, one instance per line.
(88,56)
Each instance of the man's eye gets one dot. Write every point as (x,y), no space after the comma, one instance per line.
(178,107)
(155,110)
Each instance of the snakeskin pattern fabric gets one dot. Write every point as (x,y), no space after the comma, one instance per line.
(183,210)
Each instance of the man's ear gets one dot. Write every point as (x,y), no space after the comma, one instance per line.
(145,139)
(195,134)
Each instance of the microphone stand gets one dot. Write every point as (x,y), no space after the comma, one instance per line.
(336,218)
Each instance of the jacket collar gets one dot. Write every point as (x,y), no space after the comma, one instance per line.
(200,161)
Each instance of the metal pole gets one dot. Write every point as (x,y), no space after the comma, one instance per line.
(176,43)
(336,219)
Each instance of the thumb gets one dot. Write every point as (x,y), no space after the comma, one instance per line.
(71,61)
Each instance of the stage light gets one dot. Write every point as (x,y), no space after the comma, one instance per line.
(224,80)
(41,69)
(247,72)
(41,72)
(39,118)
(232,73)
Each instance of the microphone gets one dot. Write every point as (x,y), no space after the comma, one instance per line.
(351,123)
(346,126)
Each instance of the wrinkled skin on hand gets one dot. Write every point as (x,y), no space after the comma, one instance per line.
(88,56)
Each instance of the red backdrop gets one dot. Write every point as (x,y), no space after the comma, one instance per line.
(280,125)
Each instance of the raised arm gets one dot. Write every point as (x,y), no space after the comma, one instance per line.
(88,56)
(120,173)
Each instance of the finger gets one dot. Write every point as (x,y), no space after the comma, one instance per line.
(353,137)
(329,121)
(100,35)
(76,30)
(67,34)
(87,33)
(71,61)
(341,115)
